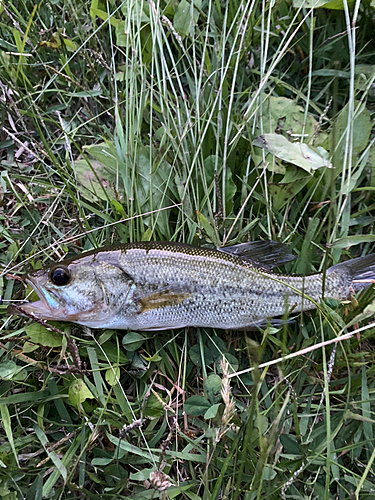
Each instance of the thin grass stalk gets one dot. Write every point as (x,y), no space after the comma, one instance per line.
(344,196)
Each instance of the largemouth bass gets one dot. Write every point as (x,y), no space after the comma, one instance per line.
(157,286)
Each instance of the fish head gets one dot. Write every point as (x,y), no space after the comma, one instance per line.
(87,290)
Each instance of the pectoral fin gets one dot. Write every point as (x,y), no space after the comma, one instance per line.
(161,298)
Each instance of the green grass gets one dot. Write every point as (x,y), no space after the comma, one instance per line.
(136,121)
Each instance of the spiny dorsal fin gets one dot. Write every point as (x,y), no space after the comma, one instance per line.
(265,254)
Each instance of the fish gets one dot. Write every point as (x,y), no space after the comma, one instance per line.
(152,286)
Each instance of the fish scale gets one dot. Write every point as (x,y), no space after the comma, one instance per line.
(162,285)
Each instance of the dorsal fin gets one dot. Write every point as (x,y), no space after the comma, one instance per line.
(265,254)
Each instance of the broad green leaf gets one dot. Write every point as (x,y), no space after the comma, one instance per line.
(230,191)
(39,334)
(136,11)
(96,4)
(327,4)
(212,386)
(284,191)
(69,44)
(155,358)
(99,178)
(217,346)
(132,341)
(10,371)
(112,375)
(186,16)
(141,475)
(350,241)
(105,152)
(29,347)
(287,117)
(182,16)
(147,234)
(269,473)
(154,407)
(290,444)
(362,126)
(17,39)
(153,188)
(138,366)
(53,43)
(262,423)
(119,208)
(298,154)
(196,406)
(196,356)
(122,37)
(369,310)
(7,369)
(79,392)
(210,231)
(365,69)
(105,336)
(211,164)
(232,361)
(212,411)
(101,14)
(5,492)
(112,353)
(101,462)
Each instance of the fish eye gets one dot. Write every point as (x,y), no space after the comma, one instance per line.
(60,276)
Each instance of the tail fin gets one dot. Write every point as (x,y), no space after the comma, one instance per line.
(360,270)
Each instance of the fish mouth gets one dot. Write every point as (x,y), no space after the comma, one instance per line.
(53,307)
(40,308)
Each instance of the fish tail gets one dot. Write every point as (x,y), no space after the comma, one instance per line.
(359,272)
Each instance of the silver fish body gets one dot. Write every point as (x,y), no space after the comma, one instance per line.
(157,285)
